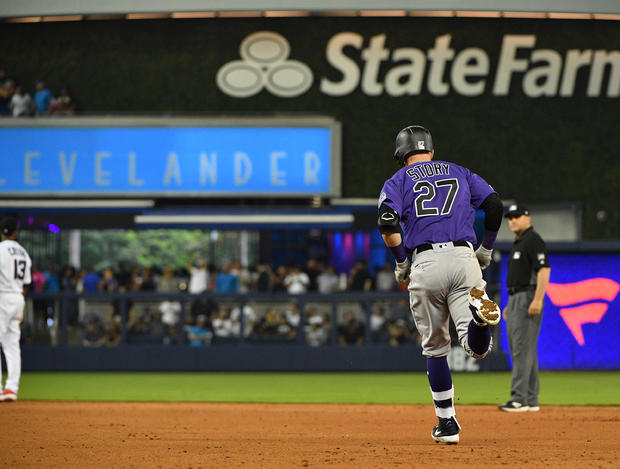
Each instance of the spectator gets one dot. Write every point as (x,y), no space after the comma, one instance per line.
(139,328)
(108,282)
(198,275)
(94,335)
(360,279)
(293,318)
(316,334)
(112,332)
(199,334)
(68,283)
(168,283)
(278,279)
(63,104)
(148,282)
(7,88)
(384,279)
(328,281)
(222,325)
(312,271)
(91,281)
(264,280)
(203,305)
(272,326)
(38,285)
(42,98)
(296,282)
(351,332)
(398,332)
(226,281)
(378,325)
(244,277)
(249,319)
(21,103)
(124,278)
(170,312)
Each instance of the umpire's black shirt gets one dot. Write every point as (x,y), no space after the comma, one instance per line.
(528,255)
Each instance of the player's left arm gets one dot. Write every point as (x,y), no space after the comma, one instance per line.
(493,210)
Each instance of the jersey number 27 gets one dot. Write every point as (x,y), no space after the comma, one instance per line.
(428,193)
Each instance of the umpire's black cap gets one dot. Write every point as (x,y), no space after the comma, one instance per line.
(516,210)
(8,226)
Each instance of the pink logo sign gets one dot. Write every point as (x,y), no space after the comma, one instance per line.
(594,290)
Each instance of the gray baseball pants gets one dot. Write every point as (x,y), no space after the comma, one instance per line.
(523,333)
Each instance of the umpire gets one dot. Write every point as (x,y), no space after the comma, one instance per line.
(528,276)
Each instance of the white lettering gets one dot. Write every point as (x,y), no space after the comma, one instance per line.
(575,59)
(30,175)
(508,63)
(172,170)
(133,180)
(346,66)
(395,85)
(312,165)
(438,56)
(373,56)
(243,168)
(67,173)
(543,80)
(472,62)
(100,174)
(208,166)
(278,178)
(601,58)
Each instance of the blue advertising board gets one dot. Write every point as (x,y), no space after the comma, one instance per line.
(169,159)
(581,314)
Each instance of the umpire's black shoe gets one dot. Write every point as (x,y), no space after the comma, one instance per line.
(447,432)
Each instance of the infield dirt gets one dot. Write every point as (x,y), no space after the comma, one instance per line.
(189,435)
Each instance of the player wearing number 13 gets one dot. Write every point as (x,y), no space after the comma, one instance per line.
(15,265)
(431,201)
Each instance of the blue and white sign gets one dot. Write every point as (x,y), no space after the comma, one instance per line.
(169,160)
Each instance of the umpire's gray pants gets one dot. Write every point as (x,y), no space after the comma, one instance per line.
(523,333)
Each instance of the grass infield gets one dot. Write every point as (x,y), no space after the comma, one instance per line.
(557,388)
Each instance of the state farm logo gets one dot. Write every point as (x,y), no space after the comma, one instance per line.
(591,293)
(264,65)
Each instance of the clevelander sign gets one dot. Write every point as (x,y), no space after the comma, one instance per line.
(542,72)
(169,157)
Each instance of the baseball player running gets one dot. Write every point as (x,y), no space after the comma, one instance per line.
(431,201)
(15,265)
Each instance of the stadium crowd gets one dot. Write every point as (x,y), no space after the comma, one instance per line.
(17,101)
(207,317)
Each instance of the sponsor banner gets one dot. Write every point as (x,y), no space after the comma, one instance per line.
(581,315)
(170,160)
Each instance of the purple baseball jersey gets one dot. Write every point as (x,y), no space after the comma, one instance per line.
(434,201)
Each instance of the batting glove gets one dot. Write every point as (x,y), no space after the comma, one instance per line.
(484,256)
(402,270)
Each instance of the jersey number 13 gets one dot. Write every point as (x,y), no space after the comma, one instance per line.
(20,269)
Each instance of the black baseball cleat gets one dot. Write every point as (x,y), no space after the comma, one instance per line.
(514,406)
(483,309)
(447,432)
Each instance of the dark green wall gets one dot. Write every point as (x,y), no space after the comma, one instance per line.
(531,149)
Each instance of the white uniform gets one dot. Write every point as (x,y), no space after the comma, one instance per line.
(15,266)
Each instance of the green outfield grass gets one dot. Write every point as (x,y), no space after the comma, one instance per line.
(557,388)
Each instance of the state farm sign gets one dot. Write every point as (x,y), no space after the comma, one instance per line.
(375,70)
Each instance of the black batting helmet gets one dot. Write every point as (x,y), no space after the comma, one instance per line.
(412,139)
